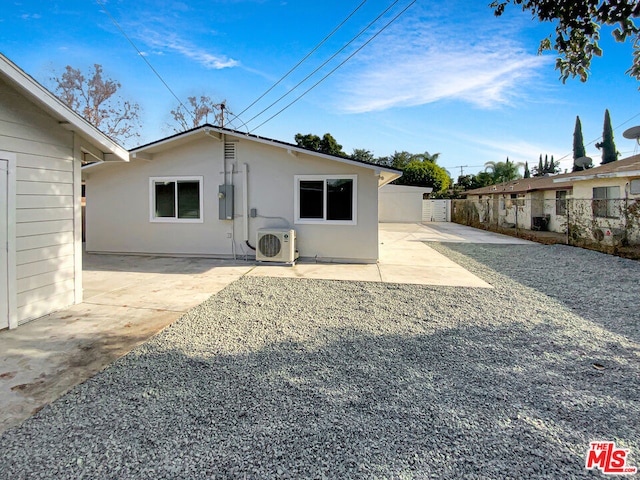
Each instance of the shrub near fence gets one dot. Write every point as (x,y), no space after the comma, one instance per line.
(608,225)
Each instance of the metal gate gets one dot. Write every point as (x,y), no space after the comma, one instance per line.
(436,210)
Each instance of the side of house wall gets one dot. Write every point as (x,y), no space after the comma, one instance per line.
(557,222)
(400,204)
(625,208)
(118,203)
(45,257)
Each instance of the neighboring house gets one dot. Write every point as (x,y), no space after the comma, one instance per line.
(529,203)
(599,204)
(42,146)
(401,203)
(208,191)
(613,190)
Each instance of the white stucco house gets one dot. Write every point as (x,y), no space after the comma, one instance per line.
(218,192)
(42,147)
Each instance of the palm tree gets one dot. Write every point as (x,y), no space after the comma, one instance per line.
(503,171)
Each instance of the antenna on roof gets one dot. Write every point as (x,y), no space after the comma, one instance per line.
(583,162)
(632,133)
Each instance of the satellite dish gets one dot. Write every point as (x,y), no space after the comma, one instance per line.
(583,162)
(632,133)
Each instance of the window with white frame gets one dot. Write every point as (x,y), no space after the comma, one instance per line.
(604,202)
(175,199)
(326,199)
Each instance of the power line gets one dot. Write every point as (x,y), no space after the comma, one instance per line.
(339,65)
(304,59)
(325,62)
(99,2)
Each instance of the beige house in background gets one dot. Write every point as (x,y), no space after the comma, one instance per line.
(42,147)
(601,202)
(210,191)
(614,189)
(526,202)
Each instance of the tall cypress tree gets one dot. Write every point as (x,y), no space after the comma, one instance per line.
(540,171)
(578,144)
(609,152)
(527,173)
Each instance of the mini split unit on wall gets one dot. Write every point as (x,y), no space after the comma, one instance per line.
(276,245)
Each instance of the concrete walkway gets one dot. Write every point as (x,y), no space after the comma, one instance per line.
(128,299)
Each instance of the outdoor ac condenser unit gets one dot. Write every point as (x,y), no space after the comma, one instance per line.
(276,245)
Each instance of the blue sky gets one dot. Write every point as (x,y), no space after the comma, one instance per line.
(445,77)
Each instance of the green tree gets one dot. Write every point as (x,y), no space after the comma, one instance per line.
(578,145)
(502,171)
(577,30)
(527,173)
(540,170)
(94,98)
(363,155)
(471,182)
(548,167)
(400,159)
(330,146)
(465,182)
(482,179)
(425,174)
(327,144)
(607,145)
(308,141)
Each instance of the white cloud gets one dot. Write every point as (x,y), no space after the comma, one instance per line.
(195,53)
(412,67)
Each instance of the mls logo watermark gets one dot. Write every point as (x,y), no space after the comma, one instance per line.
(609,459)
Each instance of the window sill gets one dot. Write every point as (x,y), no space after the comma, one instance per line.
(176,220)
(324,222)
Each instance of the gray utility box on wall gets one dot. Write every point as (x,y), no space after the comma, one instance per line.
(225,203)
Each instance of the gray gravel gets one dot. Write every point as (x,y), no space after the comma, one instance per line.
(275,378)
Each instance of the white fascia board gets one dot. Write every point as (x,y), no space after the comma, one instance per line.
(595,176)
(142,152)
(70,119)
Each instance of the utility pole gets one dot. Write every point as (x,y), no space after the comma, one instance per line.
(461,167)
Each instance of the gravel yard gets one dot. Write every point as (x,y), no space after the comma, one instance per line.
(292,378)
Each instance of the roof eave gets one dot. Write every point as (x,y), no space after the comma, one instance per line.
(386,174)
(631,173)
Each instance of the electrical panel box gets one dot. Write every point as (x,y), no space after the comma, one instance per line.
(225,202)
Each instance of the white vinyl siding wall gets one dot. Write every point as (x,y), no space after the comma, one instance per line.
(45,259)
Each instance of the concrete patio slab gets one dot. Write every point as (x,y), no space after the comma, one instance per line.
(454,233)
